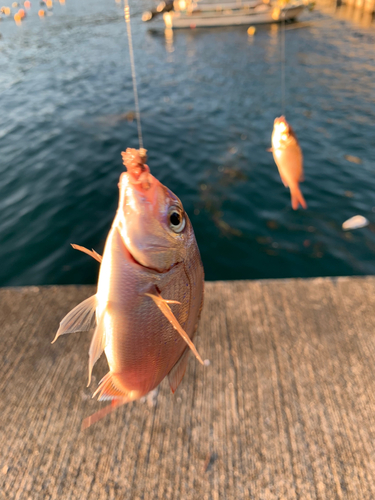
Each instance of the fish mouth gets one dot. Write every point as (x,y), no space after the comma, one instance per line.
(280,119)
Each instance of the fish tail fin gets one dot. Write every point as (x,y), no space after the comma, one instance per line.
(107,390)
(297,198)
(92,419)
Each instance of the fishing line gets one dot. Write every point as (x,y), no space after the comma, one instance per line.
(134,77)
(282,44)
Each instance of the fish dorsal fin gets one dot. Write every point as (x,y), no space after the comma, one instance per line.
(178,371)
(97,346)
(80,319)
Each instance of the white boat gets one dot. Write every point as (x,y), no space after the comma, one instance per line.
(205,14)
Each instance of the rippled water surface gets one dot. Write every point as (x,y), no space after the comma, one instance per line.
(208,101)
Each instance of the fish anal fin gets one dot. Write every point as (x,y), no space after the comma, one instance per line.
(178,371)
(92,252)
(283,180)
(79,319)
(166,310)
(108,390)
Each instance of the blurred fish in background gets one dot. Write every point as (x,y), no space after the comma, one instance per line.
(288,157)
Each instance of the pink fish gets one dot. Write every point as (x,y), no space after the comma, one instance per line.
(288,157)
(150,291)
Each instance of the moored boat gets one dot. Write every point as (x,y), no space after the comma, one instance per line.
(189,14)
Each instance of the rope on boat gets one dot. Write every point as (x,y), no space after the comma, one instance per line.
(134,77)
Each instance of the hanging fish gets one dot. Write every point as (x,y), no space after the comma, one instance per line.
(288,157)
(150,265)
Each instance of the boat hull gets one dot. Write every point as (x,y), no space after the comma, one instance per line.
(211,19)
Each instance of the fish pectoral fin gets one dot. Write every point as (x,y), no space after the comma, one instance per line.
(97,346)
(166,310)
(79,319)
(115,403)
(178,371)
(92,252)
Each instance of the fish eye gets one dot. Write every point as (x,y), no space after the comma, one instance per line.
(176,219)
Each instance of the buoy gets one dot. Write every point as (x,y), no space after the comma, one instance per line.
(356,222)
(251,31)
(14,5)
(41,13)
(27,4)
(5,11)
(17,19)
(49,4)
(22,13)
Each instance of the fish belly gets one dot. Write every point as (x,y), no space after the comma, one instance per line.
(289,162)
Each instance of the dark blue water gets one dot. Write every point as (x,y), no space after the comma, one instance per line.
(208,101)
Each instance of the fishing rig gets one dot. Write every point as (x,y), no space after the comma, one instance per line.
(282,48)
(134,76)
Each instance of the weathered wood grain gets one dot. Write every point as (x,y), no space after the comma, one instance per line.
(285,410)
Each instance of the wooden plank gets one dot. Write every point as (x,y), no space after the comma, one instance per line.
(285,409)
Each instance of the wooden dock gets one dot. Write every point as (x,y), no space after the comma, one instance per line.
(285,409)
